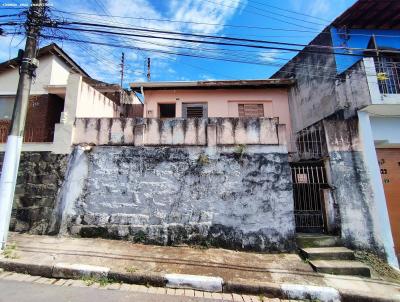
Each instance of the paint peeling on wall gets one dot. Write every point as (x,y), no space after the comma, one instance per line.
(194,195)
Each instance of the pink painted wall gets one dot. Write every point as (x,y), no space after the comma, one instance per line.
(222,102)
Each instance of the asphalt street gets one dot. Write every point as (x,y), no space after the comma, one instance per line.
(32,292)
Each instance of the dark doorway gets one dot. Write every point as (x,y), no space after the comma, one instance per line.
(167,110)
(308,181)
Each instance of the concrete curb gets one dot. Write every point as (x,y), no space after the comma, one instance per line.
(293,291)
(157,280)
(204,283)
(27,268)
(283,291)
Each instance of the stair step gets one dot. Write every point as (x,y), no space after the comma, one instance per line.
(317,240)
(341,267)
(327,253)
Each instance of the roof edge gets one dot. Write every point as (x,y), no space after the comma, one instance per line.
(136,86)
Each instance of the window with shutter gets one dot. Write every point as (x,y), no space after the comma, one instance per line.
(251,110)
(194,110)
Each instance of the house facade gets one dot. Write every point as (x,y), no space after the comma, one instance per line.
(345,109)
(61,92)
(203,99)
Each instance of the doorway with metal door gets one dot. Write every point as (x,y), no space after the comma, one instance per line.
(309,180)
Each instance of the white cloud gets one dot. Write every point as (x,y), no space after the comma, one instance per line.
(203,12)
(268,56)
(102,61)
(206,77)
(320,8)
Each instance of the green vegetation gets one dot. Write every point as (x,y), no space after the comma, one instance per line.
(140,237)
(240,150)
(261,297)
(203,159)
(131,269)
(379,266)
(10,251)
(103,281)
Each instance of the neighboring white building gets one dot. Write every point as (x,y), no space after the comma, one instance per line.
(61,92)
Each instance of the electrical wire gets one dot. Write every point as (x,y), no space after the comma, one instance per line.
(217,24)
(318,51)
(263,15)
(323,75)
(285,16)
(290,11)
(141,29)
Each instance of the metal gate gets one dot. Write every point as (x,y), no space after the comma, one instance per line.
(308,181)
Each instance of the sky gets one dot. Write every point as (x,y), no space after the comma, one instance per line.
(293,21)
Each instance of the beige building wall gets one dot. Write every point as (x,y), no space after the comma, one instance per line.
(222,102)
(81,100)
(92,103)
(51,71)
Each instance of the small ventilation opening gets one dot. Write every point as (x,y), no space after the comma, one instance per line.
(167,110)
(194,112)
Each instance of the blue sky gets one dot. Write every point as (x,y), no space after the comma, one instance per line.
(252,19)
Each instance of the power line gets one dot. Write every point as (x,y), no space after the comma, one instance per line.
(217,24)
(323,75)
(188,22)
(290,11)
(225,51)
(260,14)
(308,50)
(285,16)
(251,60)
(97,20)
(12,15)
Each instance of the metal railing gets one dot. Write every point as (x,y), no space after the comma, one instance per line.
(388,74)
(309,143)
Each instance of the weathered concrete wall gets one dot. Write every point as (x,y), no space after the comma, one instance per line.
(40,177)
(352,186)
(229,197)
(313,96)
(189,132)
(319,91)
(352,91)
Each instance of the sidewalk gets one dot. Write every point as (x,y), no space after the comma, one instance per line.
(240,271)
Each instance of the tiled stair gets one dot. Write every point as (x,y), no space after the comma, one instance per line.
(326,255)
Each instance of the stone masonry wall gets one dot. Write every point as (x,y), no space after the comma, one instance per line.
(231,197)
(40,176)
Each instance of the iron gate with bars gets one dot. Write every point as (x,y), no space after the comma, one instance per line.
(308,181)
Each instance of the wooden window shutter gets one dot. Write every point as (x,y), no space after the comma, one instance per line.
(251,110)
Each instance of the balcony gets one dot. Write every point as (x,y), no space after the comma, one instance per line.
(383,76)
(388,76)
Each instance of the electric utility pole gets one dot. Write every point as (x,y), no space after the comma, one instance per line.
(122,65)
(28,65)
(148,70)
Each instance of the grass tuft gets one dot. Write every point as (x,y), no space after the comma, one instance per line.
(384,270)
(103,281)
(131,269)
(10,251)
